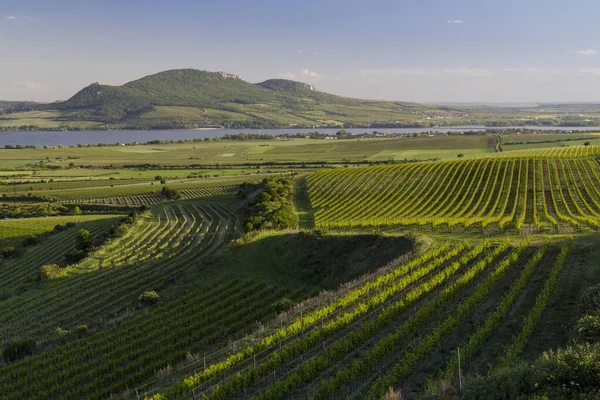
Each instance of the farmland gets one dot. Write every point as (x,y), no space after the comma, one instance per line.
(300,268)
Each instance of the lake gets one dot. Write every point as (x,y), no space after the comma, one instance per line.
(51,138)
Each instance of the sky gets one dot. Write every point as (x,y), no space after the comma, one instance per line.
(517,51)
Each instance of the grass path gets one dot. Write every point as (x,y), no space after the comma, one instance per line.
(302,203)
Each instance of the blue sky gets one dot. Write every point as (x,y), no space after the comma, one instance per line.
(417,50)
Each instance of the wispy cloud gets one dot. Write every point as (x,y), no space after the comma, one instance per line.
(591,71)
(286,75)
(11,17)
(455,21)
(311,74)
(374,72)
(29,85)
(587,52)
(304,74)
(300,51)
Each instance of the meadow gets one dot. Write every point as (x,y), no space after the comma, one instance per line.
(295,269)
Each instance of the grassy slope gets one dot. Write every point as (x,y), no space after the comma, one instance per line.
(315,263)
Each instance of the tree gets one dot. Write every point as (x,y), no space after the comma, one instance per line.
(77,210)
(171,194)
(343,134)
(84,240)
(587,143)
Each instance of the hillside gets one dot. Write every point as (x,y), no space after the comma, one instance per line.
(121,289)
(188,98)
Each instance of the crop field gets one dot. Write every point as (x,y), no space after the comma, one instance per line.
(331,280)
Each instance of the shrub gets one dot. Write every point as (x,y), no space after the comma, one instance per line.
(81,330)
(171,194)
(49,271)
(84,240)
(75,256)
(282,305)
(149,297)
(589,328)
(18,348)
(61,332)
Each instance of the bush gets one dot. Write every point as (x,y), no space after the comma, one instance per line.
(49,271)
(589,328)
(18,348)
(282,305)
(75,256)
(81,330)
(84,240)
(30,241)
(149,297)
(171,194)
(8,251)
(568,373)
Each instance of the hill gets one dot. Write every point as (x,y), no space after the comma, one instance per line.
(188,98)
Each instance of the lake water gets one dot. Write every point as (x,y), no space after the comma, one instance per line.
(39,138)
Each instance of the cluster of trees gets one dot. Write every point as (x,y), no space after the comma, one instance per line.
(272,208)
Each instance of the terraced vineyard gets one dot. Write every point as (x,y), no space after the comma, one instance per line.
(529,194)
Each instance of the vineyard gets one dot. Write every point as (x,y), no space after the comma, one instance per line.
(213,192)
(393,328)
(353,282)
(529,194)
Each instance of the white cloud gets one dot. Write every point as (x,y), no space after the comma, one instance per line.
(286,75)
(454,21)
(300,51)
(311,74)
(11,17)
(587,52)
(29,85)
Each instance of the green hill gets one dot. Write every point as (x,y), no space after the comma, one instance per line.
(191,98)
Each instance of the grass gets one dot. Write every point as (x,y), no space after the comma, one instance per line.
(302,205)
(313,262)
(255,151)
(21,228)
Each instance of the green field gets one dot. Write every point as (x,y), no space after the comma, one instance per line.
(253,151)
(321,269)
